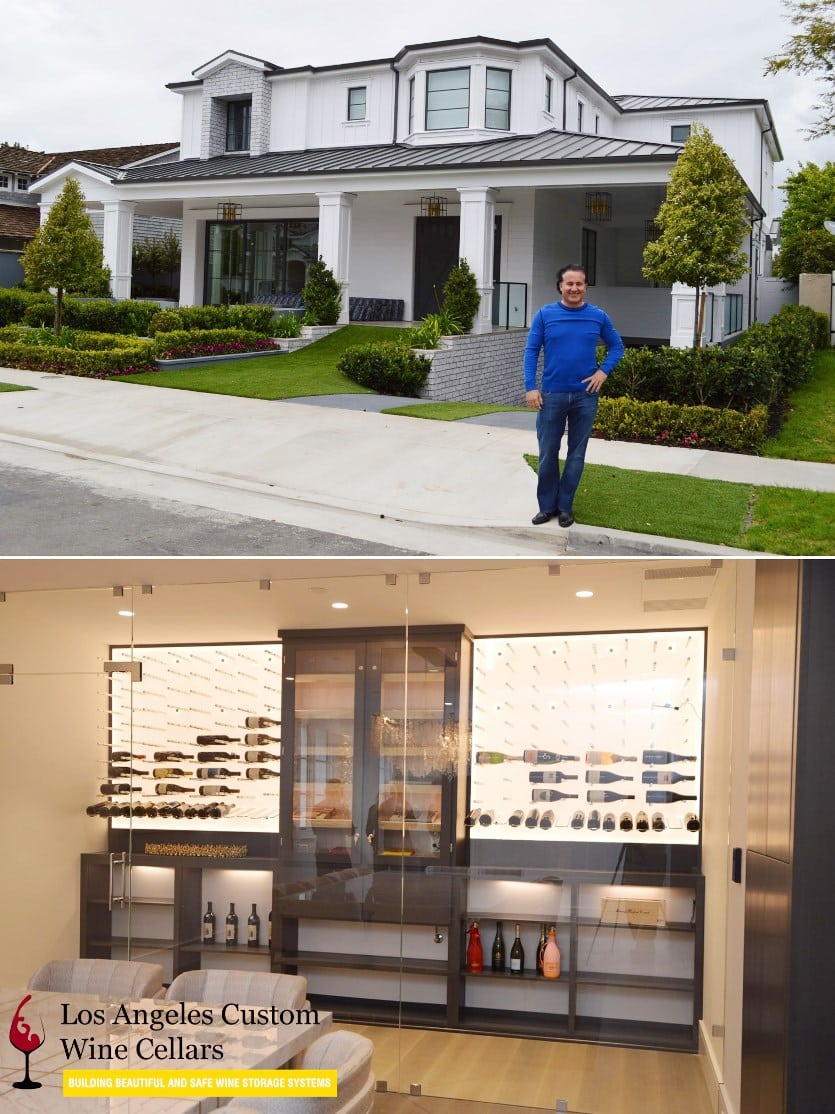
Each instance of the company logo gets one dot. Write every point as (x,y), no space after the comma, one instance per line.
(25,1041)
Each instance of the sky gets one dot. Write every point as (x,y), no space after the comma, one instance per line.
(86,74)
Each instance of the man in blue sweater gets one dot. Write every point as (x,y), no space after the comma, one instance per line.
(570,331)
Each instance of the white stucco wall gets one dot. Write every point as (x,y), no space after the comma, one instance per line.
(311,110)
(192,113)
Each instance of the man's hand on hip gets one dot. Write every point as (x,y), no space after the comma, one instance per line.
(595,382)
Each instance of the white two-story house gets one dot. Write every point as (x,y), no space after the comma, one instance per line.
(505,153)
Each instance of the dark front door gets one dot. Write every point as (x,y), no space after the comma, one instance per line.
(436,253)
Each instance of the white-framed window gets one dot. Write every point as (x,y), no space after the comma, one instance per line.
(5,182)
(497,99)
(23,182)
(411,105)
(679,133)
(357,102)
(580,109)
(549,93)
(448,99)
(238,123)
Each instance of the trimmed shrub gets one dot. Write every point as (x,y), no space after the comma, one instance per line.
(130,318)
(387,367)
(665,423)
(186,343)
(96,364)
(166,321)
(461,296)
(13,305)
(40,310)
(321,295)
(256,319)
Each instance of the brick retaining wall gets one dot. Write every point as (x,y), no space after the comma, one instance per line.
(484,367)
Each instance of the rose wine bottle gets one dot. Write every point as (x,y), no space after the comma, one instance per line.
(606,757)
(551,956)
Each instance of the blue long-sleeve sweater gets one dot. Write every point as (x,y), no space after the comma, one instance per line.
(570,337)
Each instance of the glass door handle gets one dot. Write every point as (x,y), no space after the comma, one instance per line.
(113,861)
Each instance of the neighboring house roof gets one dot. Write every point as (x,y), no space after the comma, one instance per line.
(21,160)
(541,148)
(107,156)
(18,224)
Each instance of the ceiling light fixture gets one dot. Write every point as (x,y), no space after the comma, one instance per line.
(125,614)
(584,594)
(339,605)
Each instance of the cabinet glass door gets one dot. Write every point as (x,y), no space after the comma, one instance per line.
(323,761)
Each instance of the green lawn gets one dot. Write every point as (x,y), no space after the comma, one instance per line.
(450,411)
(14,387)
(809,431)
(309,371)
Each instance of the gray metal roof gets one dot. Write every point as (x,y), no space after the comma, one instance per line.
(637,103)
(530,150)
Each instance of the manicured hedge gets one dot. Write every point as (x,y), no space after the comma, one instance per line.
(185,343)
(665,423)
(102,315)
(255,319)
(96,363)
(387,367)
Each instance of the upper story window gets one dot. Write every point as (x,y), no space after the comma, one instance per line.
(411,105)
(497,99)
(448,99)
(679,133)
(580,108)
(22,182)
(4,182)
(238,122)
(549,94)
(356,103)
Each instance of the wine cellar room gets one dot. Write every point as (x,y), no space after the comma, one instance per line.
(384,762)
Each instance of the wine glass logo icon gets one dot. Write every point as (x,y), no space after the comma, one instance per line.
(25,1041)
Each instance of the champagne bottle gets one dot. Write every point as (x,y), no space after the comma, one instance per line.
(546,820)
(664,757)
(164,788)
(517,955)
(547,757)
(259,722)
(127,771)
(494,758)
(626,822)
(475,952)
(214,790)
(551,962)
(691,822)
(170,771)
(113,789)
(540,949)
(550,776)
(594,796)
(516,818)
(206,772)
(532,819)
(171,756)
(209,925)
(578,820)
(258,739)
(594,821)
(497,955)
(609,822)
(658,822)
(207,740)
(601,777)
(253,929)
(606,757)
(551,795)
(260,773)
(231,926)
(666,797)
(260,756)
(472,817)
(664,777)
(642,822)
(216,756)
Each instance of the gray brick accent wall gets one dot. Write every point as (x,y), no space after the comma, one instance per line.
(486,367)
(228,83)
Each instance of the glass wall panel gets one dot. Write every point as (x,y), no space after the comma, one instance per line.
(252,259)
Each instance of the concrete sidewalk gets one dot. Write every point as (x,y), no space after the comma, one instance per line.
(335,464)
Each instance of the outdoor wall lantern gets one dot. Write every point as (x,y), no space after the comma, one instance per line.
(598,206)
(229,212)
(433,206)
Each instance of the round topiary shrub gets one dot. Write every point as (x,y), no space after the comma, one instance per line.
(386,367)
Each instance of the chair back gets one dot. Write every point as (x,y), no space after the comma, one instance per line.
(113,978)
(259,988)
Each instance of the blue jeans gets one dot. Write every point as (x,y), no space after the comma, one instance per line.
(577,409)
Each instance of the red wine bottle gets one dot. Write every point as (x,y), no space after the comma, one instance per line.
(170,771)
(253,929)
(231,926)
(113,789)
(171,756)
(658,822)
(207,740)
(165,788)
(126,771)
(532,819)
(472,817)
(209,925)
(625,824)
(216,756)
(665,797)
(691,822)
(609,824)
(497,955)
(642,822)
(516,818)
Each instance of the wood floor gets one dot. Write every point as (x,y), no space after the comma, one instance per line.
(473,1074)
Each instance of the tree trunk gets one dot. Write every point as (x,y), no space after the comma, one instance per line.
(59,309)
(699,317)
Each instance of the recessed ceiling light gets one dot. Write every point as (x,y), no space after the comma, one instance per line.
(339,605)
(584,594)
(125,614)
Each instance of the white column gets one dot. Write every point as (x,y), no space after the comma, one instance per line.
(45,207)
(335,211)
(192,258)
(478,215)
(118,244)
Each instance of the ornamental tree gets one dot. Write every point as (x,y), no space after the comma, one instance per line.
(812,51)
(66,253)
(702,220)
(805,245)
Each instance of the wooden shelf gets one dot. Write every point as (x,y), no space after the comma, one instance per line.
(375,963)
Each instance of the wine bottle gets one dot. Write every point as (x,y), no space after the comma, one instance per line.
(126,756)
(517,955)
(497,955)
(547,757)
(551,795)
(216,756)
(191,812)
(214,811)
(550,776)
(231,926)
(260,756)
(664,757)
(472,817)
(258,740)
(551,956)
(546,820)
(516,818)
(487,818)
(163,788)
(601,777)
(170,771)
(642,822)
(609,822)
(532,819)
(664,777)
(253,929)
(126,771)
(606,757)
(113,789)
(209,925)
(171,756)
(98,809)
(625,823)
(666,797)
(691,822)
(578,820)
(593,824)
(213,790)
(594,796)
(206,772)
(475,952)
(494,758)
(540,949)
(658,822)
(207,740)
(119,810)
(259,722)
(260,773)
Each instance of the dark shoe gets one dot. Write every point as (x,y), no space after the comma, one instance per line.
(541,518)
(565,518)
